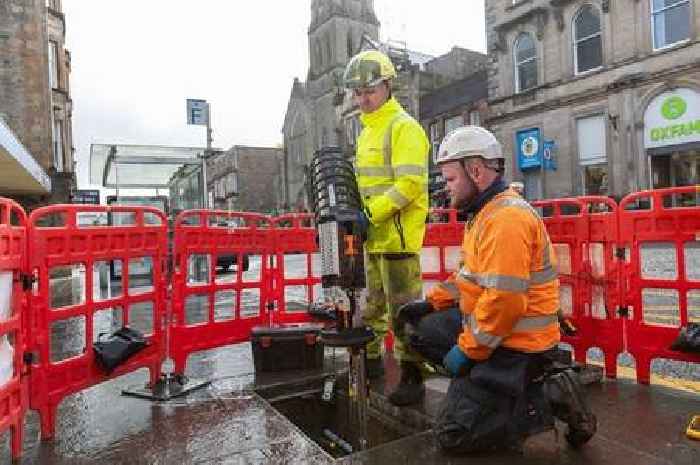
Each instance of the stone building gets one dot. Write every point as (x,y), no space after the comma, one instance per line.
(320,112)
(596,96)
(463,102)
(247,179)
(35,101)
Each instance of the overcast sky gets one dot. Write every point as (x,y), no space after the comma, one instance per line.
(134,63)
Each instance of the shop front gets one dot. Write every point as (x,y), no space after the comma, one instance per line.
(672,138)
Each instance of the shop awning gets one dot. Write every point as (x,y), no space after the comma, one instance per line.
(139,166)
(19,171)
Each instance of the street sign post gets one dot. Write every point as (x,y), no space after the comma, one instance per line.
(198,113)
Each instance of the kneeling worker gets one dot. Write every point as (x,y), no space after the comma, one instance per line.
(499,311)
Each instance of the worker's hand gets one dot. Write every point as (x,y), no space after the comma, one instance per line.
(456,361)
(413,312)
(361,223)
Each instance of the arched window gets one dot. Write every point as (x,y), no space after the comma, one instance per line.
(525,58)
(588,46)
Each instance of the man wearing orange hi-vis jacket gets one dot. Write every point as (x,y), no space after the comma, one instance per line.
(493,323)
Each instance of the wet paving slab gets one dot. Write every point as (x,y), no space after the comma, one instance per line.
(229,423)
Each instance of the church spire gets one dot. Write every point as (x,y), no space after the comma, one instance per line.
(358,10)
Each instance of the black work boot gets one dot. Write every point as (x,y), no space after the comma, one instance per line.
(411,388)
(374,367)
(569,405)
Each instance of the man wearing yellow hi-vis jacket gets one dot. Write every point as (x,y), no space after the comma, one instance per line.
(391,165)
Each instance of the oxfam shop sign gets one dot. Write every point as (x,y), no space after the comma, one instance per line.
(672,118)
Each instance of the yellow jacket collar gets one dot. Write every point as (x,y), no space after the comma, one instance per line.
(382,114)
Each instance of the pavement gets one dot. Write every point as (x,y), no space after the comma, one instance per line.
(229,423)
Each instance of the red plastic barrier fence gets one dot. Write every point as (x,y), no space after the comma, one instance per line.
(584,234)
(14,398)
(297,280)
(601,296)
(213,307)
(442,245)
(97,268)
(661,228)
(565,220)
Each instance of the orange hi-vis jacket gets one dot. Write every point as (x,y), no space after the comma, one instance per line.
(508,287)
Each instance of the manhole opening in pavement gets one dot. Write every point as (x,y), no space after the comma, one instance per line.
(330,424)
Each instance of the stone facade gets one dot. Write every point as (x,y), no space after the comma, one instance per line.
(32,98)
(567,98)
(460,103)
(247,179)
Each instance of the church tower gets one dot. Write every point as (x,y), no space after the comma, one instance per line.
(335,34)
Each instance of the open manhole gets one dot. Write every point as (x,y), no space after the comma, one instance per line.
(329,424)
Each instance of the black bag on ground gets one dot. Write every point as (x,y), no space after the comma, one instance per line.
(688,339)
(112,351)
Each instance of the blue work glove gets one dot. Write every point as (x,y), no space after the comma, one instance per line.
(413,312)
(456,361)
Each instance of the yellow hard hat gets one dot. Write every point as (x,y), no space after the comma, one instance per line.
(367,69)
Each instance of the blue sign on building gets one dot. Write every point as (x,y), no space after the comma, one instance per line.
(549,155)
(529,149)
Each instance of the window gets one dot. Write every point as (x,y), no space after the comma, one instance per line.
(53,65)
(670,21)
(474,118)
(525,58)
(588,47)
(353,129)
(453,123)
(435,138)
(351,48)
(58,144)
(592,154)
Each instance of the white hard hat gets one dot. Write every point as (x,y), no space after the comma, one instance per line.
(467,142)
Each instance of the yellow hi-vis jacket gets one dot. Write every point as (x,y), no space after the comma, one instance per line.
(508,287)
(391,165)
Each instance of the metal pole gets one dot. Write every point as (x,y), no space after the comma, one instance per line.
(207,152)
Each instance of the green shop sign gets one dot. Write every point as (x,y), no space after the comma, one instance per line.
(675,131)
(673,118)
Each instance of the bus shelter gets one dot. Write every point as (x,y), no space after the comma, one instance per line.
(181,171)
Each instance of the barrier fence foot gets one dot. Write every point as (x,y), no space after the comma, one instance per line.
(169,386)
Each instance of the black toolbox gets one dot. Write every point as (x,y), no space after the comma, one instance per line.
(287,347)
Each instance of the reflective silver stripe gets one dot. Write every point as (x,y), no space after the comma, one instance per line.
(370,171)
(415,170)
(375,190)
(465,274)
(397,197)
(503,282)
(451,288)
(495,281)
(544,276)
(528,323)
(482,337)
(387,138)
(388,172)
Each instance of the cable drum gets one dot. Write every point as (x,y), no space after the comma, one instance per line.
(332,185)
